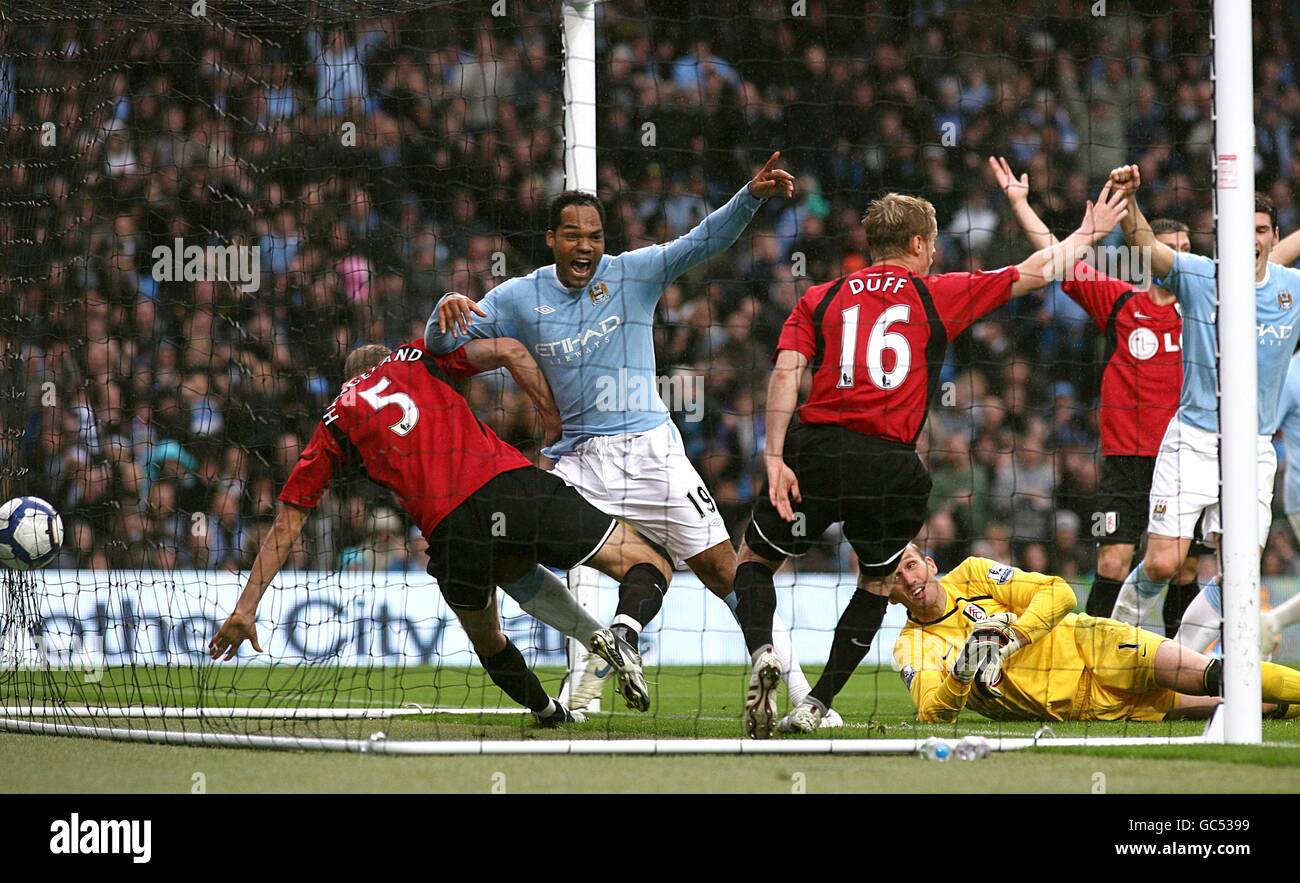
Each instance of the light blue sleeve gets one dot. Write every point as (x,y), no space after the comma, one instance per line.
(1192,280)
(498,323)
(655,266)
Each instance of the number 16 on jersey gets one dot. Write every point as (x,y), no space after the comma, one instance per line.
(880,341)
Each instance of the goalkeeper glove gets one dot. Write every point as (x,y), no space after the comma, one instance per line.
(1011,640)
(976,655)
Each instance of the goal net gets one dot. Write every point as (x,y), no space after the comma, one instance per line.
(204,207)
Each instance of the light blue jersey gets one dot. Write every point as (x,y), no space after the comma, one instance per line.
(1277,312)
(595,344)
(1290,426)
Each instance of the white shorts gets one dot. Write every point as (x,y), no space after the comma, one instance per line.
(1186,484)
(647,481)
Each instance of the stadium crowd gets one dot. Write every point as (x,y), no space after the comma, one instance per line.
(381,162)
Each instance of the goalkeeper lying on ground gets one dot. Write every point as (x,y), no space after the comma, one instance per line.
(1007,644)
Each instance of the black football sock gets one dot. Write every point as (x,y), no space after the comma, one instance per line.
(853,636)
(509,672)
(1177,599)
(1104,594)
(755,604)
(640,596)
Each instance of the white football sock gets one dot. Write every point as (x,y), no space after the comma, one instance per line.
(795,682)
(1201,624)
(554,605)
(1286,613)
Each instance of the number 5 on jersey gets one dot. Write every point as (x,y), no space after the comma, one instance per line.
(880,340)
(375,398)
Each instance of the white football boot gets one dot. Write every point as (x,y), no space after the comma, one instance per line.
(760,699)
(591,683)
(805,718)
(625,662)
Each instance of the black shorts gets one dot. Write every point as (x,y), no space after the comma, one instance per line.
(880,490)
(1122,502)
(516,521)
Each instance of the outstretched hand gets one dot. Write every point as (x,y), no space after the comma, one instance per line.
(237,629)
(771,181)
(1101,216)
(456,312)
(1016,189)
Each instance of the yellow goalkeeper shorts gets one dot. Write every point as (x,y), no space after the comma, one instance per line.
(1119,681)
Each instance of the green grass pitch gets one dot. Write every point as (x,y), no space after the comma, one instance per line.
(688,703)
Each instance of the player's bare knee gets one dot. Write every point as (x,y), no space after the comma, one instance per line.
(748,556)
(1161,565)
(488,641)
(1113,561)
(642,553)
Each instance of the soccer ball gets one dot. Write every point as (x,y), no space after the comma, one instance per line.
(31,533)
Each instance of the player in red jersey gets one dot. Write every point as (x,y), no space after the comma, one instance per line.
(1139,395)
(875,340)
(488,514)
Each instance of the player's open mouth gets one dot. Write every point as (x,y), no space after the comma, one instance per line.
(580,267)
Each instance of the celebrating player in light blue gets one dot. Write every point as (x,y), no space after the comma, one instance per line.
(1186,482)
(588,319)
(1204,617)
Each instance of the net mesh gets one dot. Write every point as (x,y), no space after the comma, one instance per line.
(377,154)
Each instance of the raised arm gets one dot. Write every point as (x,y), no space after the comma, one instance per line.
(782,397)
(508,353)
(1287,252)
(1017,193)
(242,623)
(1137,231)
(661,264)
(1041,599)
(1048,264)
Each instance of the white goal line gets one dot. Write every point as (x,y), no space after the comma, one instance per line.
(234,713)
(377,744)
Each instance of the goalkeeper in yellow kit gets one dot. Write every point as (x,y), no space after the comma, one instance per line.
(1007,644)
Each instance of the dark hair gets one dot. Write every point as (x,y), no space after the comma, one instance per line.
(1169,225)
(572,197)
(1265,205)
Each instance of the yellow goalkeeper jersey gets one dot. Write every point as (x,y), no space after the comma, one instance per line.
(1044,680)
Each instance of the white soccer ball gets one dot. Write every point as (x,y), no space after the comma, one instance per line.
(31,533)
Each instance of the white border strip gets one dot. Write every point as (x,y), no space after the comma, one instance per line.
(379,745)
(231,713)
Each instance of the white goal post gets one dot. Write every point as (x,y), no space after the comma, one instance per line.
(580,174)
(1234,141)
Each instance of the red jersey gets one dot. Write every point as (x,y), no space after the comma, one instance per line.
(877,338)
(1144,367)
(408,431)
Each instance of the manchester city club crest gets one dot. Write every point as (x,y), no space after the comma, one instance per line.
(1284,299)
(598,292)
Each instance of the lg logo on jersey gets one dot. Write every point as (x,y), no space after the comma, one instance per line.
(1144,344)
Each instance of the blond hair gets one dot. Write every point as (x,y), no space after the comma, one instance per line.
(891,221)
(363,358)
